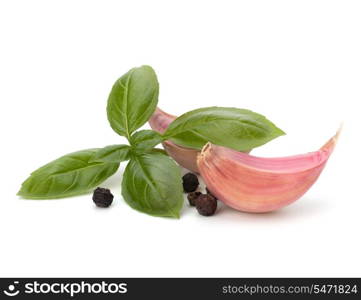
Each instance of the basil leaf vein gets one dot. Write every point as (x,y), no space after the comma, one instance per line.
(70,175)
(152,184)
(112,154)
(239,129)
(145,140)
(132,100)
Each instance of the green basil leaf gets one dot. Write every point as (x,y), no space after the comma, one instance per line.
(132,100)
(112,154)
(152,184)
(161,151)
(69,175)
(144,140)
(239,129)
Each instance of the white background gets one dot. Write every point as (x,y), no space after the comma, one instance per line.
(297,62)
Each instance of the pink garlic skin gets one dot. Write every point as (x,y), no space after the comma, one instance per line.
(186,157)
(160,120)
(255,184)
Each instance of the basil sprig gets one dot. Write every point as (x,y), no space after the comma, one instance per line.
(152,181)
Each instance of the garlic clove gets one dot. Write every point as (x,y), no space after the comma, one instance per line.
(186,157)
(255,184)
(160,120)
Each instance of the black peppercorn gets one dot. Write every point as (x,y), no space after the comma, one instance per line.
(192,197)
(102,197)
(209,193)
(206,205)
(190,182)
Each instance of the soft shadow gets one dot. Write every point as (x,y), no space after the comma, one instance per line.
(304,208)
(114,182)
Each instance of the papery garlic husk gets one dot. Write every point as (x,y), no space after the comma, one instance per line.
(255,184)
(186,157)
